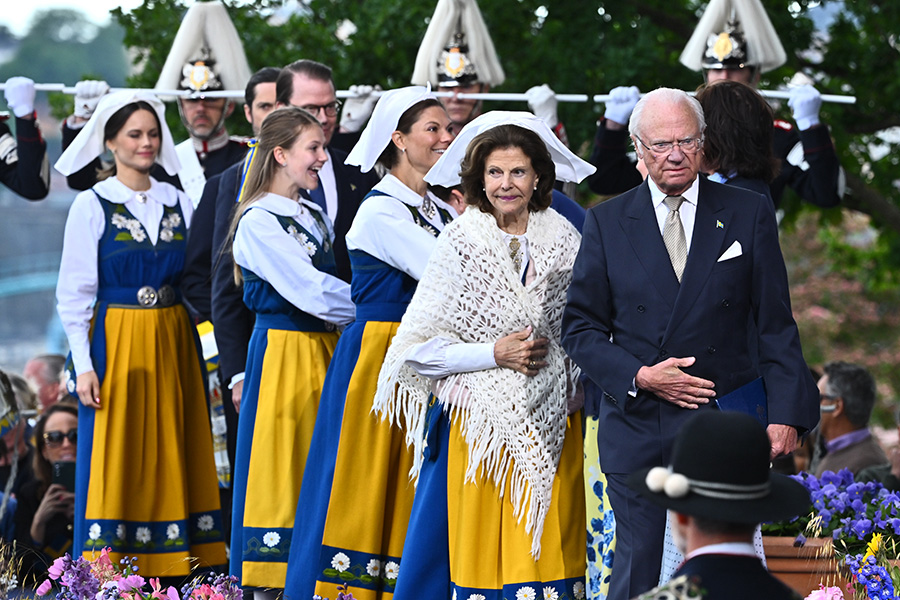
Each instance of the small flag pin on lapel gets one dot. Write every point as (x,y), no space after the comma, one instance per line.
(719,224)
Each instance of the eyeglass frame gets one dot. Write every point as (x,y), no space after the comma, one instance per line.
(313,109)
(681,144)
(71,435)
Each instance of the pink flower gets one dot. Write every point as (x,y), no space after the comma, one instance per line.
(44,587)
(172,594)
(826,593)
(56,569)
(132,582)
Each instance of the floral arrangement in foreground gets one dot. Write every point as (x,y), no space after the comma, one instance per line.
(862,520)
(100,579)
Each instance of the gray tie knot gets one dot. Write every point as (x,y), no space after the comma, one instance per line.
(674,202)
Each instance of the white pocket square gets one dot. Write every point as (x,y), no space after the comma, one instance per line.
(733,251)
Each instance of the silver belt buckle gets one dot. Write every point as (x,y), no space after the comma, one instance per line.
(166,295)
(147,296)
(329,327)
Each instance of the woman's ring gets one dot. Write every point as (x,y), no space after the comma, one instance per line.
(531,364)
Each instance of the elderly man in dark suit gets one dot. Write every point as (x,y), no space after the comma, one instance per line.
(679,296)
(717,488)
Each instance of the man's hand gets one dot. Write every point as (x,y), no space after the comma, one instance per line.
(805,102)
(620,105)
(19,93)
(667,381)
(236,391)
(518,353)
(542,102)
(358,107)
(87,96)
(783,439)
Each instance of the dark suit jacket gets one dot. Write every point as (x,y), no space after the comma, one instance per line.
(730,577)
(626,309)
(233,321)
(353,185)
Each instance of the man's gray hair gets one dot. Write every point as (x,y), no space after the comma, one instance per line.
(668,96)
(856,386)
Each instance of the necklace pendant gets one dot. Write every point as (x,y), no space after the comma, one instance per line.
(141,198)
(514,247)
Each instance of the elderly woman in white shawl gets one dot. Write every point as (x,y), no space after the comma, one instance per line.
(477,376)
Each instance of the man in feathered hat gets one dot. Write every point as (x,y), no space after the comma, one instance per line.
(457,55)
(718,487)
(734,40)
(206,56)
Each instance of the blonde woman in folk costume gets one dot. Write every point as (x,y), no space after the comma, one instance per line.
(498,511)
(283,255)
(354,507)
(146,483)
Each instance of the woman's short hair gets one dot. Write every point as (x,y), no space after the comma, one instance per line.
(391,154)
(43,470)
(739,131)
(117,121)
(500,138)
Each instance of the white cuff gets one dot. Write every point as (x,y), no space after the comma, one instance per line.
(235,380)
(471,357)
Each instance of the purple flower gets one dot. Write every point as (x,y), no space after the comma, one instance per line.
(861,528)
(132,582)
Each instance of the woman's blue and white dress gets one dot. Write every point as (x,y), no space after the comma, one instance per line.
(145,483)
(283,248)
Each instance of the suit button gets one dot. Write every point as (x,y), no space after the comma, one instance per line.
(663,353)
(640,308)
(711,349)
(726,303)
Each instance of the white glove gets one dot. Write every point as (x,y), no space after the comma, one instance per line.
(358,107)
(19,95)
(542,102)
(87,95)
(805,101)
(620,104)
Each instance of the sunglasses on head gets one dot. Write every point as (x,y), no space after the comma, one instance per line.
(55,438)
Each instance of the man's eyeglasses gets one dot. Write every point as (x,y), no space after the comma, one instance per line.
(331,109)
(55,438)
(687,145)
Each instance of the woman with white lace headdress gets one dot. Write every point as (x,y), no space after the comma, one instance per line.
(497,511)
(146,482)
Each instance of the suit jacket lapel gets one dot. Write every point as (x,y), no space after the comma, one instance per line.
(706,247)
(642,230)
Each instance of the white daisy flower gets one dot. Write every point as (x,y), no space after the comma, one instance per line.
(271,539)
(476,597)
(454,594)
(309,247)
(173,531)
(174,220)
(341,562)
(142,535)
(374,567)
(391,570)
(94,531)
(120,531)
(578,590)
(119,221)
(525,593)
(550,593)
(205,523)
(166,235)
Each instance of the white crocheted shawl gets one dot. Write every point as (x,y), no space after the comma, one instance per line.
(470,292)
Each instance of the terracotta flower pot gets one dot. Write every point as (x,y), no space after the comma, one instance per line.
(803,568)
